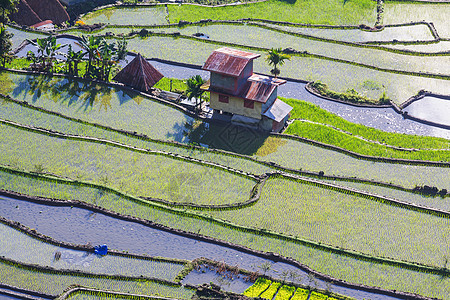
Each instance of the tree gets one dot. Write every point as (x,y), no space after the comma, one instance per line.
(7,7)
(193,88)
(72,60)
(102,56)
(47,49)
(276,57)
(90,45)
(5,46)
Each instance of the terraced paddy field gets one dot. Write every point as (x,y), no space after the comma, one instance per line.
(341,199)
(73,183)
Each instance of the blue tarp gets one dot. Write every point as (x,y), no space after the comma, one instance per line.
(101,250)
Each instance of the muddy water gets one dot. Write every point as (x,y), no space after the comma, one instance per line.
(82,226)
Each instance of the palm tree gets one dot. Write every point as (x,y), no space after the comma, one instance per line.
(276,57)
(193,88)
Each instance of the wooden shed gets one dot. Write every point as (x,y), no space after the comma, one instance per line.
(30,12)
(139,74)
(235,89)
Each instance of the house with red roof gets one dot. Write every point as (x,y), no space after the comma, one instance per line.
(235,89)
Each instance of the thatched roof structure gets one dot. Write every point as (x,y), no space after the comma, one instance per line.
(31,12)
(49,10)
(139,74)
(25,15)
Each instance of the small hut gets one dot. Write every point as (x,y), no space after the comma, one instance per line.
(139,74)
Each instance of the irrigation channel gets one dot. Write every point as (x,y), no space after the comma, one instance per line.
(386,119)
(81,226)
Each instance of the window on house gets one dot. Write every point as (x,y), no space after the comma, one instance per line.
(249,103)
(223,99)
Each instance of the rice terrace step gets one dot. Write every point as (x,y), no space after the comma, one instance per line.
(223,150)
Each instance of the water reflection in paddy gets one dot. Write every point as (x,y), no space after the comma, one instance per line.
(80,226)
(433,109)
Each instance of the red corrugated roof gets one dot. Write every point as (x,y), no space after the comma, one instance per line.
(46,22)
(259,88)
(228,61)
(139,74)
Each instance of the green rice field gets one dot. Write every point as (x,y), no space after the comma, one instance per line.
(43,254)
(331,12)
(341,202)
(132,172)
(336,265)
(55,282)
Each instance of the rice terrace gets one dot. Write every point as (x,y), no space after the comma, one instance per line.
(223,150)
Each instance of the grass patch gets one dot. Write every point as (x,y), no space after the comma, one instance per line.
(308,111)
(172,84)
(330,136)
(55,282)
(312,12)
(132,172)
(338,266)
(285,292)
(270,292)
(300,294)
(351,95)
(260,285)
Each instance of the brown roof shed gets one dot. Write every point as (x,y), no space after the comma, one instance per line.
(25,15)
(228,61)
(49,10)
(139,74)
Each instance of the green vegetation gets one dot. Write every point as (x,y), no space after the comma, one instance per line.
(303,156)
(43,254)
(350,96)
(135,172)
(171,85)
(311,12)
(271,291)
(276,57)
(128,16)
(344,219)
(308,111)
(405,12)
(54,282)
(300,294)
(328,135)
(89,294)
(260,285)
(338,266)
(285,292)
(317,296)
